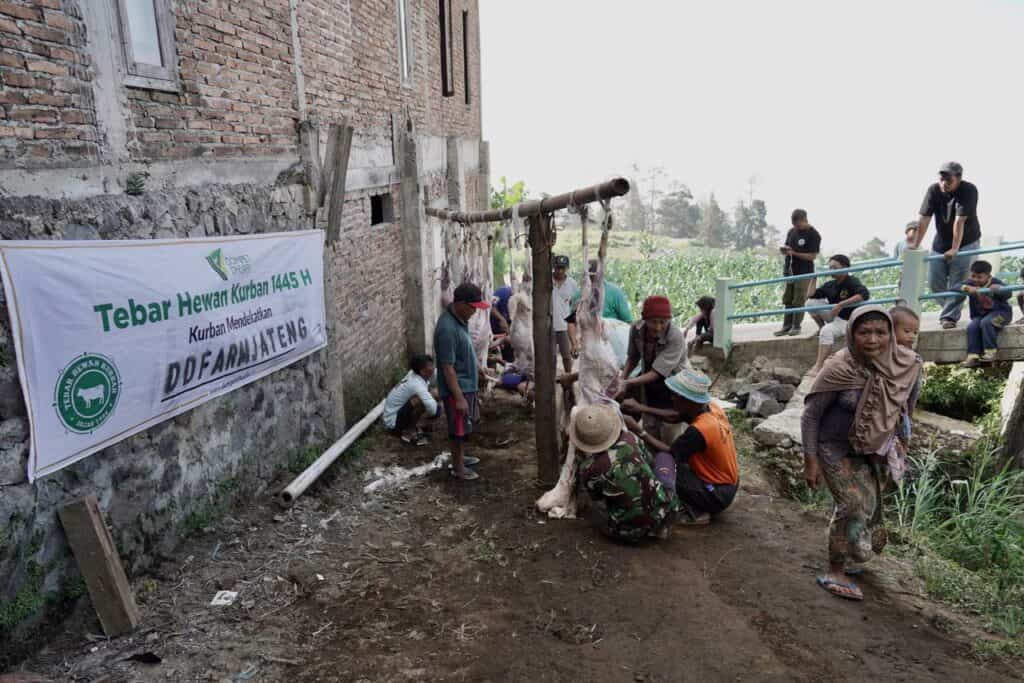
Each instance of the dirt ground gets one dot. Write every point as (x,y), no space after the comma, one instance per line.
(466,582)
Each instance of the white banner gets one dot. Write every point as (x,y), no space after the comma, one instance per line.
(113,337)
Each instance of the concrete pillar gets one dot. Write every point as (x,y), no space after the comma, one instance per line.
(454,169)
(996,257)
(912,279)
(413,222)
(485,175)
(723,309)
(1012,409)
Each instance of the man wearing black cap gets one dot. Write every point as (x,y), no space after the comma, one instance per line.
(457,379)
(954,203)
(563,290)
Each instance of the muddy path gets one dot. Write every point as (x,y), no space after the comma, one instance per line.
(448,581)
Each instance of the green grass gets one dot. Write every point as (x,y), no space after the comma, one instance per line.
(214,508)
(964,394)
(969,530)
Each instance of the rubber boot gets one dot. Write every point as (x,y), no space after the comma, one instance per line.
(787,324)
(798,321)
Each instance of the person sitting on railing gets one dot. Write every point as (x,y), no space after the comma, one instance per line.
(803,242)
(954,203)
(990,313)
(843,291)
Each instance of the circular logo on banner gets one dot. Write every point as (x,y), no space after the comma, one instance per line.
(86,393)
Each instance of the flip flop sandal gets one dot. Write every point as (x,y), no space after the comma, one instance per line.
(468,475)
(828,585)
(853,571)
(468,461)
(420,439)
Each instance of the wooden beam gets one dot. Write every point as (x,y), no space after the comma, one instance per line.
(340,154)
(542,239)
(327,168)
(309,153)
(100,565)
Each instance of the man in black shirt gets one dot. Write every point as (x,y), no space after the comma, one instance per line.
(954,203)
(842,291)
(803,243)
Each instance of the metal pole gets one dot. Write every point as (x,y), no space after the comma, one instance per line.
(616,187)
(542,238)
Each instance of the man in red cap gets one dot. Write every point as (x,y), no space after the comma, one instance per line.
(457,376)
(658,348)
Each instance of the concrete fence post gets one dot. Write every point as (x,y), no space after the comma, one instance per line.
(912,279)
(723,309)
(996,257)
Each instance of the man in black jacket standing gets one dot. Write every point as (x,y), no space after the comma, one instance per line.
(954,203)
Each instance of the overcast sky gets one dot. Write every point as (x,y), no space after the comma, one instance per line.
(845,109)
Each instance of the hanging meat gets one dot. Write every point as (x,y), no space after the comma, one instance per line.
(599,377)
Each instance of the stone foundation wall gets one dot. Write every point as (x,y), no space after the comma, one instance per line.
(158,484)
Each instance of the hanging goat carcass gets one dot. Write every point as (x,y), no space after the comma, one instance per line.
(599,378)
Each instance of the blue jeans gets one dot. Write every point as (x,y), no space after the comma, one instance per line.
(943,276)
(982,333)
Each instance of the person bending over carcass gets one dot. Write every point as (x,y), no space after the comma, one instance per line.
(410,400)
(618,470)
(659,348)
(707,472)
(458,379)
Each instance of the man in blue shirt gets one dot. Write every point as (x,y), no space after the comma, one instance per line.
(457,377)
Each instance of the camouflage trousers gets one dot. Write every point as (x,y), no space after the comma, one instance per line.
(623,477)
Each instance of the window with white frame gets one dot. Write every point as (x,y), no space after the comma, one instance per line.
(404,38)
(147,34)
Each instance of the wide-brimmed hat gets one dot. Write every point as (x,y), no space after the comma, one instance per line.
(691,385)
(595,428)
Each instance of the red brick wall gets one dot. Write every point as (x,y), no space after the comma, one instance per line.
(46,109)
(236,75)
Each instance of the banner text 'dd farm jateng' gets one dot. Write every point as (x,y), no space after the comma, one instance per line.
(113,337)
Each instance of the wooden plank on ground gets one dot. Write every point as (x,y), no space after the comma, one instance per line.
(100,564)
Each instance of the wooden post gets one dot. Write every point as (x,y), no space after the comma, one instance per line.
(100,565)
(309,153)
(413,219)
(542,238)
(340,154)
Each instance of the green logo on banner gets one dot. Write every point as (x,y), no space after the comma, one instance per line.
(86,393)
(216,260)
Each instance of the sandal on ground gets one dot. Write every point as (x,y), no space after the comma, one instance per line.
(854,570)
(468,461)
(466,475)
(686,518)
(846,591)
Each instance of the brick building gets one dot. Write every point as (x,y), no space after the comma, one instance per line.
(203,101)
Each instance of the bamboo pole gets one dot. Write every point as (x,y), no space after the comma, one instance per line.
(616,187)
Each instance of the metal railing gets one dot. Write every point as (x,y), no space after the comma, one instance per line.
(909,290)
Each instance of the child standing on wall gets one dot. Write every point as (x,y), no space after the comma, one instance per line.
(990,313)
(703,321)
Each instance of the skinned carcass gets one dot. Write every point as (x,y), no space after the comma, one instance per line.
(598,367)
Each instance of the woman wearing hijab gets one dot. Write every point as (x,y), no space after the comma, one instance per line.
(850,422)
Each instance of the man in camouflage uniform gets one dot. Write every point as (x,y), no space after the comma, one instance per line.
(623,475)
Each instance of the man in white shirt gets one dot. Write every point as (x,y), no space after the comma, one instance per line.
(564,290)
(410,400)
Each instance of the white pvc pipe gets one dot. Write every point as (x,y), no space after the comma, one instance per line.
(313,472)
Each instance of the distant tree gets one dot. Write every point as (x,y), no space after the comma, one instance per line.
(503,196)
(750,229)
(715,228)
(635,217)
(873,249)
(678,215)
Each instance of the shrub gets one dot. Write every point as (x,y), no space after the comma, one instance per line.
(961,393)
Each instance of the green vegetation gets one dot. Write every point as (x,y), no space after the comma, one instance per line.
(969,532)
(964,394)
(214,508)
